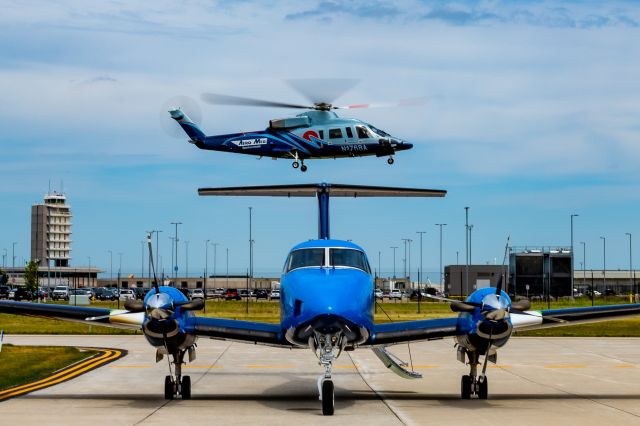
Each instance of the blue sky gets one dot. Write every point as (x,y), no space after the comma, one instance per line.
(532,115)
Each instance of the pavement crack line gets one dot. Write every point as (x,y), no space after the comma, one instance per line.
(586,398)
(200,378)
(378,394)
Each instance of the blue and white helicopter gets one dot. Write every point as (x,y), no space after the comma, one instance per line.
(327,306)
(317,132)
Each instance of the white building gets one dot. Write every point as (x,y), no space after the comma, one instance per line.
(51,231)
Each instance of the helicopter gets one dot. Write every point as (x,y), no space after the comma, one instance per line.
(316,133)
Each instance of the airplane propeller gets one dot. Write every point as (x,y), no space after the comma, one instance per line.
(185,103)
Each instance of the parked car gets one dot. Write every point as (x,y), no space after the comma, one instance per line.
(245,293)
(198,293)
(261,293)
(186,292)
(60,292)
(105,293)
(395,294)
(275,294)
(378,294)
(232,294)
(22,293)
(139,292)
(609,292)
(4,291)
(126,294)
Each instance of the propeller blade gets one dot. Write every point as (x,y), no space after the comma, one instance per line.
(217,99)
(499,286)
(521,305)
(132,305)
(188,105)
(496,315)
(444,299)
(457,306)
(403,103)
(192,305)
(322,90)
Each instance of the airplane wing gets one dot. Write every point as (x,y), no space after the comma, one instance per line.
(236,330)
(91,316)
(407,331)
(533,320)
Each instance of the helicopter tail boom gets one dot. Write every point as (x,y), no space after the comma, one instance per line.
(191,129)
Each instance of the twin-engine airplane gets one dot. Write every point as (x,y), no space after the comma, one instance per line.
(327,305)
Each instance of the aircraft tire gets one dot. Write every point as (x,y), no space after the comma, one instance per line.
(465,387)
(483,389)
(186,387)
(295,165)
(168,388)
(303,168)
(390,160)
(328,399)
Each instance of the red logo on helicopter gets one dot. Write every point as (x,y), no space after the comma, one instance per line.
(309,134)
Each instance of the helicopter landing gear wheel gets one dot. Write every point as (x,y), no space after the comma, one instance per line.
(328,398)
(296,164)
(303,168)
(390,160)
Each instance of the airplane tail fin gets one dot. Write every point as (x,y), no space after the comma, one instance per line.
(191,129)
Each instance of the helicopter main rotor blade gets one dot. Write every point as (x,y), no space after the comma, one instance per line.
(217,99)
(322,90)
(403,103)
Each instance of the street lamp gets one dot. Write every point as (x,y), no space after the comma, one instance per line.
(584,262)
(631,266)
(441,274)
(13,254)
(466,240)
(420,272)
(215,246)
(572,288)
(250,245)
(186,269)
(206,265)
(404,260)
(604,262)
(110,266)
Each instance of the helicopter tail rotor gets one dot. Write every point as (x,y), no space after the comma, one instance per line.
(189,108)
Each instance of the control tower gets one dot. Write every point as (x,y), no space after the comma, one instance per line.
(51,231)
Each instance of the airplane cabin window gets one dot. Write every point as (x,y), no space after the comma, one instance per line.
(306,257)
(349,132)
(335,133)
(348,257)
(362,132)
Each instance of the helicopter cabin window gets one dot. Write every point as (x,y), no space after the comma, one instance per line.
(349,258)
(305,258)
(362,132)
(335,133)
(321,134)
(349,132)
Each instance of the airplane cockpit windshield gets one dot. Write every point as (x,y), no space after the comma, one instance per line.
(327,257)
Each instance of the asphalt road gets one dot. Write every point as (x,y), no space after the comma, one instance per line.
(545,381)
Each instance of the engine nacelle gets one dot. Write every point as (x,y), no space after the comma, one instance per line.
(289,123)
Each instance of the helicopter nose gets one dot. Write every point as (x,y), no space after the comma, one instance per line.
(405,145)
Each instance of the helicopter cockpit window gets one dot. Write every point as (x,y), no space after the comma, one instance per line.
(335,133)
(305,258)
(321,134)
(380,132)
(349,132)
(349,258)
(362,132)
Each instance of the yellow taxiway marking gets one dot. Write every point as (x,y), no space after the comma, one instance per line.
(498,366)
(625,366)
(271,366)
(565,366)
(345,367)
(74,370)
(202,366)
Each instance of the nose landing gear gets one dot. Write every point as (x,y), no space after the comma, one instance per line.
(176,384)
(390,160)
(327,348)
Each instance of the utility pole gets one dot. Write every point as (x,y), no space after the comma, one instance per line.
(120,264)
(186,269)
(420,272)
(250,246)
(110,266)
(215,261)
(13,254)
(175,267)
(584,262)
(227,284)
(404,260)
(604,262)
(206,265)
(142,259)
(631,267)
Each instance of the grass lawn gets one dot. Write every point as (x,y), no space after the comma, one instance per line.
(388,311)
(25,364)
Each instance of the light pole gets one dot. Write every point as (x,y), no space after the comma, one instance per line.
(173,240)
(186,269)
(88,275)
(409,241)
(470,245)
(142,260)
(404,260)
(572,288)
(631,266)
(466,241)
(227,284)
(604,263)
(584,263)
(441,275)
(379,263)
(250,246)
(13,254)
(175,267)
(206,265)
(394,260)
(110,266)
(119,264)
(420,272)
(4,258)
(215,261)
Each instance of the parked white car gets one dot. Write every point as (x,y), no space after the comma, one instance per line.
(198,293)
(395,294)
(60,292)
(126,293)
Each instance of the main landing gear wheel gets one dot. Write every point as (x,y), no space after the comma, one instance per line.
(186,387)
(169,388)
(296,164)
(328,398)
(465,387)
(390,160)
(303,168)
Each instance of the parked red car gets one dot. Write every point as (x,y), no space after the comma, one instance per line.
(232,294)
